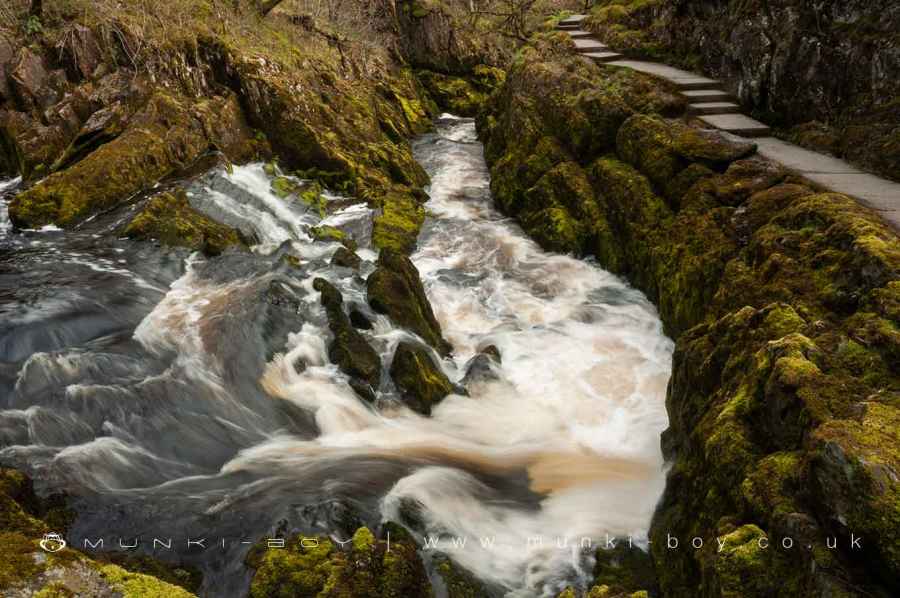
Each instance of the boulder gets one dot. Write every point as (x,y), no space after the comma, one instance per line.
(349,349)
(31,82)
(482,367)
(345,258)
(367,567)
(170,219)
(394,289)
(421,382)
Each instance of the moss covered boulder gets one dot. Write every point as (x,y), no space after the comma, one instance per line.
(420,380)
(397,226)
(364,567)
(170,219)
(27,570)
(169,134)
(349,348)
(395,289)
(463,96)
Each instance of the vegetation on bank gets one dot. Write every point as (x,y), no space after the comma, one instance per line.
(783,402)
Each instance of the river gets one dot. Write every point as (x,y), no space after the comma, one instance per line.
(161,390)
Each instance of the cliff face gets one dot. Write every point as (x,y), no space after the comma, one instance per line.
(827,72)
(783,402)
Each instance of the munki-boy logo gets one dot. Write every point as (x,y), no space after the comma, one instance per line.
(52,542)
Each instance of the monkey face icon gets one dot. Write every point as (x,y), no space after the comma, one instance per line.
(52,542)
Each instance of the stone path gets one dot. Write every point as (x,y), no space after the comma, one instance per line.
(710,105)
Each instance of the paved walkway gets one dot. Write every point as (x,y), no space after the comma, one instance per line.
(712,106)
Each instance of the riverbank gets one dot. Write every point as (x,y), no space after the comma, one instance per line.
(783,394)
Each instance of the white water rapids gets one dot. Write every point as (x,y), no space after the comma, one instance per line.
(563,447)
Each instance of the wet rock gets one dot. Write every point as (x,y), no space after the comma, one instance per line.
(459,582)
(345,258)
(349,349)
(168,135)
(482,367)
(421,382)
(360,320)
(170,219)
(397,226)
(394,289)
(365,568)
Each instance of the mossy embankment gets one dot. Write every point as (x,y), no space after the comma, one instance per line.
(28,570)
(783,401)
(92,119)
(824,74)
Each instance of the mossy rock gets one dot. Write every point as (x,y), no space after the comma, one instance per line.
(419,379)
(349,349)
(169,134)
(169,218)
(318,567)
(397,227)
(395,289)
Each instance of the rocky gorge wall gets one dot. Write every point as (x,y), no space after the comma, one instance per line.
(783,401)
(825,73)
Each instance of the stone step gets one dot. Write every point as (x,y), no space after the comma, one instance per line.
(576,33)
(688,83)
(737,124)
(696,96)
(602,56)
(713,108)
(588,45)
(573,20)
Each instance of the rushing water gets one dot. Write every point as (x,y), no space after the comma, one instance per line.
(162,390)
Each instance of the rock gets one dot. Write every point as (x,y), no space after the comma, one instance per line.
(30,82)
(397,226)
(480,369)
(394,289)
(318,567)
(26,570)
(345,258)
(349,349)
(663,150)
(421,382)
(360,320)
(170,219)
(463,96)
(743,179)
(169,134)
(459,582)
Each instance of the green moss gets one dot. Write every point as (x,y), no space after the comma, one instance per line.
(394,289)
(772,484)
(741,566)
(419,378)
(397,227)
(169,134)
(328,234)
(555,229)
(169,218)
(137,585)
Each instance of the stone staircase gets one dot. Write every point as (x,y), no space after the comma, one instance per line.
(710,106)
(707,101)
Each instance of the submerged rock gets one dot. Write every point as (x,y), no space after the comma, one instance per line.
(394,289)
(483,367)
(421,382)
(170,219)
(349,349)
